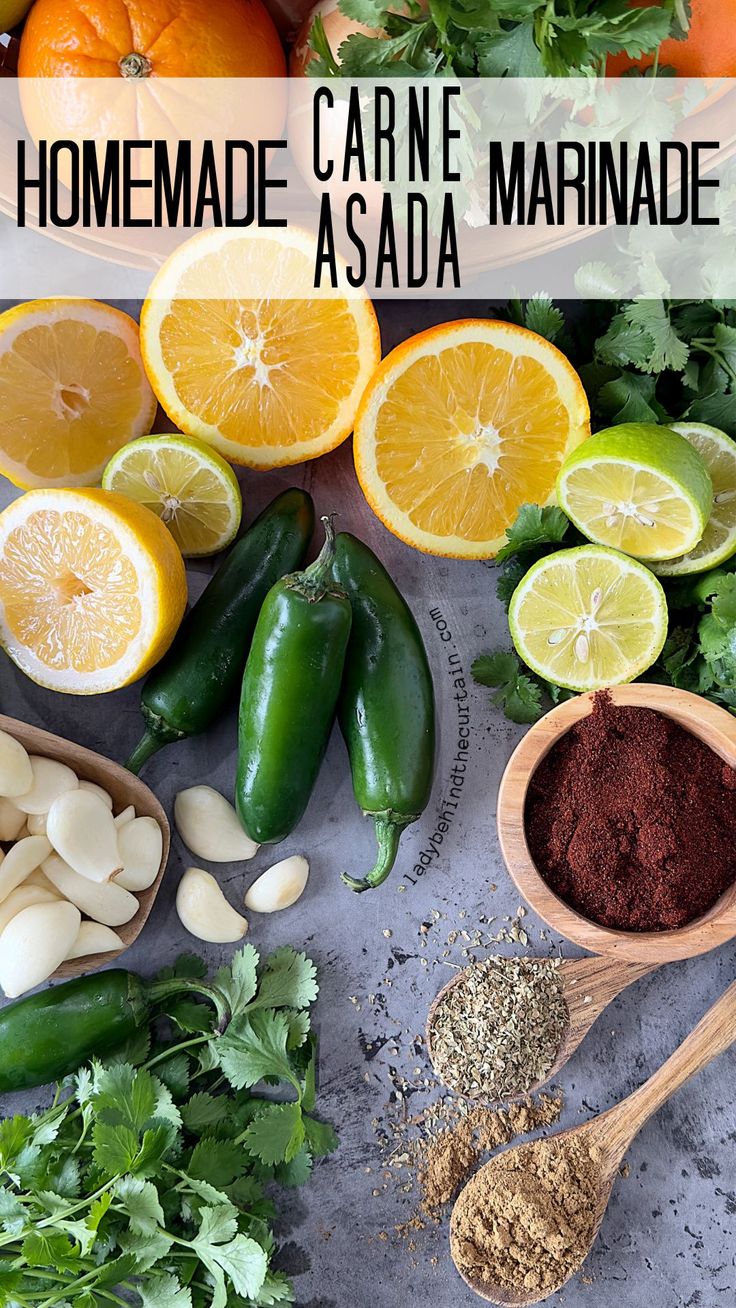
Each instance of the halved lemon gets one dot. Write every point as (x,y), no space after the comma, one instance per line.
(588,617)
(72,390)
(459,427)
(186,484)
(718,541)
(639,488)
(92,589)
(243,354)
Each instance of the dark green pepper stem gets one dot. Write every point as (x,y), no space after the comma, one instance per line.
(316,580)
(156,735)
(388,835)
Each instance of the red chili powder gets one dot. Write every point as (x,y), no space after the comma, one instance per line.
(632,821)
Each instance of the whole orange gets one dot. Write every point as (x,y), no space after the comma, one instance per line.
(708,50)
(150,38)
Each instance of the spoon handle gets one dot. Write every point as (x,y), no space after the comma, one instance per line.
(715,1033)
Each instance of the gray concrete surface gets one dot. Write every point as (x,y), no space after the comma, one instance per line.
(668,1237)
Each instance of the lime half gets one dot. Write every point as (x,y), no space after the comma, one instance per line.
(588,617)
(718,541)
(638,488)
(188,485)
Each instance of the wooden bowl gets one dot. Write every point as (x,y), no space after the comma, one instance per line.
(711,724)
(125,789)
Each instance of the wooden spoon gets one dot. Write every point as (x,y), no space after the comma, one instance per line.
(612,1132)
(588,986)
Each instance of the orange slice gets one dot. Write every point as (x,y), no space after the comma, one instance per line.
(72,390)
(459,427)
(268,380)
(92,588)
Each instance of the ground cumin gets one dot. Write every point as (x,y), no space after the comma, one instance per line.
(447,1159)
(632,820)
(526,1220)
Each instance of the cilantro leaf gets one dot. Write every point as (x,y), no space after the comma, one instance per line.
(214,1161)
(517,695)
(717,632)
(321,1137)
(238,982)
(254,1048)
(289,981)
(204,1110)
(164,1292)
(277,1134)
(139,1199)
(543,317)
(534,526)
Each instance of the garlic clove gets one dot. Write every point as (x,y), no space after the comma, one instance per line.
(50,779)
(38,878)
(22,897)
(34,943)
(94,938)
(204,911)
(279,886)
(16,773)
(105,901)
(141,846)
(81,828)
(209,826)
(124,817)
(11,820)
(21,859)
(36,823)
(101,793)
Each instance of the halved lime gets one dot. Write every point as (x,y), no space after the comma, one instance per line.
(718,541)
(588,617)
(188,485)
(638,488)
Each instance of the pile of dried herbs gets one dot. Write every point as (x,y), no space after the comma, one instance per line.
(498,1027)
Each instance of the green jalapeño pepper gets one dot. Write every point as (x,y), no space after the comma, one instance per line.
(290,690)
(48,1035)
(386,707)
(199,676)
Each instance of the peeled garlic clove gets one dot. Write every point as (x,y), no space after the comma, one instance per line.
(38,878)
(16,773)
(105,901)
(94,938)
(11,820)
(204,911)
(21,859)
(81,828)
(141,845)
(50,779)
(34,943)
(209,826)
(36,823)
(22,897)
(126,816)
(279,886)
(94,789)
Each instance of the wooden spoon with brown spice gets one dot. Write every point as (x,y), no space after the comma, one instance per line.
(556,1238)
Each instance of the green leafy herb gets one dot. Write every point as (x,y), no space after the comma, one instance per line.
(494,38)
(517,694)
(145,1184)
(534,527)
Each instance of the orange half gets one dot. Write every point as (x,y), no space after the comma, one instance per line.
(459,427)
(243,354)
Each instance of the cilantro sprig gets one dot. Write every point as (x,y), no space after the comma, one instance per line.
(145,1181)
(495,38)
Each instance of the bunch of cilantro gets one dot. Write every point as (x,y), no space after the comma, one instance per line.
(650,361)
(146,1181)
(494,38)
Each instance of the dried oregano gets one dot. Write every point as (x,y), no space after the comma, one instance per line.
(497,1029)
